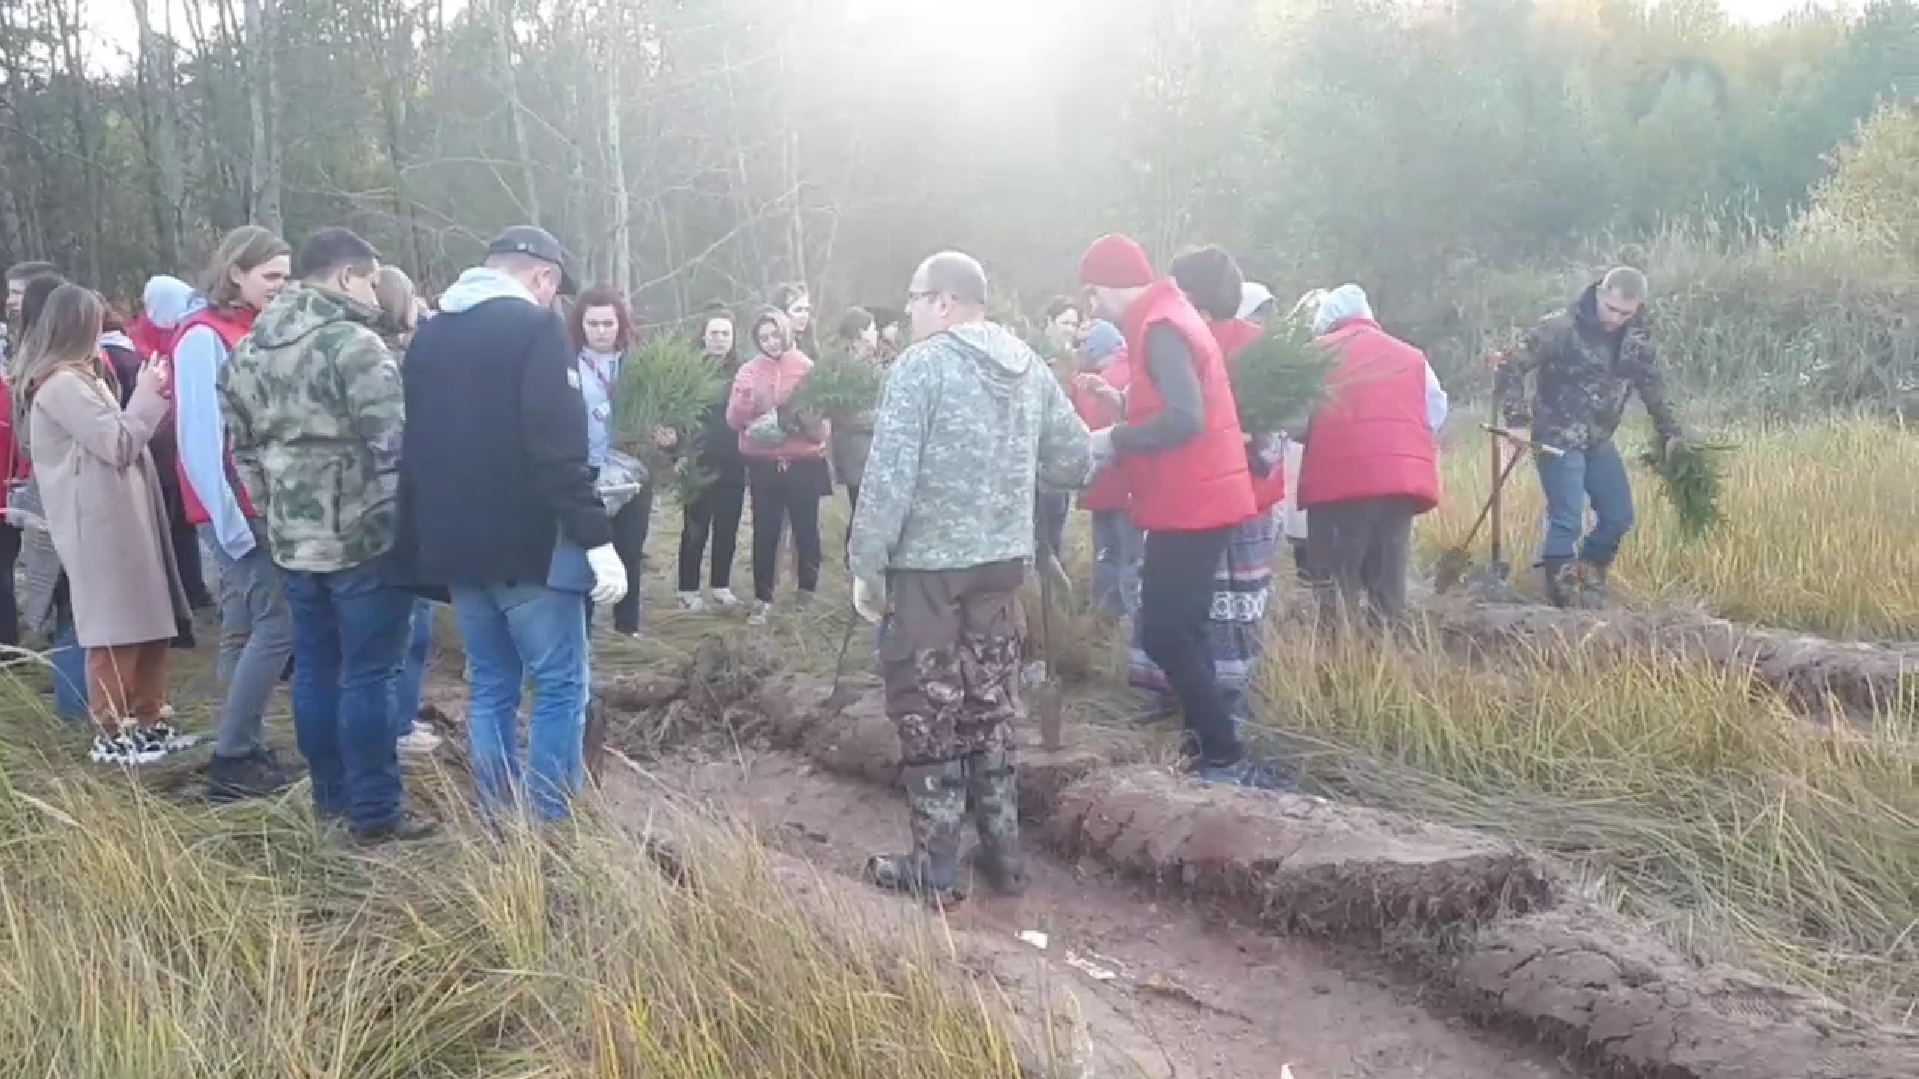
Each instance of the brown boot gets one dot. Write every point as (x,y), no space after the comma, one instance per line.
(1561,578)
(1593,584)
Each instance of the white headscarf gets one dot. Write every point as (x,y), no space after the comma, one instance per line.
(1348,301)
(166,301)
(1252,297)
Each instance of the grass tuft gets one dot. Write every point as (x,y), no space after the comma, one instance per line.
(1692,794)
(145,939)
(1815,533)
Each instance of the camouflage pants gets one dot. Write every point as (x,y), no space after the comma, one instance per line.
(950,660)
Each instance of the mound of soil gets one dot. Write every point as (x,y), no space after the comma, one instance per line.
(1474,916)
(1823,678)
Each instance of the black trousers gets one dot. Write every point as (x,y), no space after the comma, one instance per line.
(1359,550)
(782,495)
(1175,605)
(712,515)
(852,510)
(9,603)
(186,556)
(630,527)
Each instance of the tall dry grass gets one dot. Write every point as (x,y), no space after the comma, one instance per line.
(142,940)
(1692,794)
(1821,529)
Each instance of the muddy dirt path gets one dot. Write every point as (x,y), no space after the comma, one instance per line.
(1212,1000)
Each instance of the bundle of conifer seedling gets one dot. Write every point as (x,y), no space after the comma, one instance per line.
(1279,380)
(839,385)
(666,384)
(1693,478)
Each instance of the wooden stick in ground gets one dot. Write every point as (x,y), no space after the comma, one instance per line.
(1050,702)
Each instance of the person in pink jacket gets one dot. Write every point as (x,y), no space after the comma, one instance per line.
(786,468)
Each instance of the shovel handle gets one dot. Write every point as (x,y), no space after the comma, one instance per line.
(1526,441)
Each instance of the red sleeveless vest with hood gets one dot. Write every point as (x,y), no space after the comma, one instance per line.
(1370,439)
(1204,484)
(1235,336)
(231,325)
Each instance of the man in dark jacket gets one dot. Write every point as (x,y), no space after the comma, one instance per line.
(497,506)
(1588,359)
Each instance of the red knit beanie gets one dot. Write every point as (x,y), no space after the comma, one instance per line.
(1116,261)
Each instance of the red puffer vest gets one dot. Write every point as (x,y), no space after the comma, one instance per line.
(231,325)
(1370,439)
(1202,485)
(1234,337)
(1108,492)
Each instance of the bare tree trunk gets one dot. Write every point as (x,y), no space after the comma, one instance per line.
(615,159)
(263,107)
(86,129)
(398,27)
(503,50)
(160,134)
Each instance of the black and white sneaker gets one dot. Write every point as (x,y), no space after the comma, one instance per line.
(124,751)
(166,738)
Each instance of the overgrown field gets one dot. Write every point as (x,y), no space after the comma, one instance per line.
(1820,530)
(146,939)
(1690,796)
(143,938)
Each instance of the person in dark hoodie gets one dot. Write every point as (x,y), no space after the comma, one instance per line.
(714,512)
(1589,358)
(970,422)
(498,507)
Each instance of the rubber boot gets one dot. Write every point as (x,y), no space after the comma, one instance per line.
(936,811)
(1593,584)
(992,785)
(1561,579)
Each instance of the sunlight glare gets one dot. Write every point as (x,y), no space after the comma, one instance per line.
(994,35)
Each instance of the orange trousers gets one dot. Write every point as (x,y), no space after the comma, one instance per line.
(127,682)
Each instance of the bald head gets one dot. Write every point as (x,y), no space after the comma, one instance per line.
(954,274)
(947,290)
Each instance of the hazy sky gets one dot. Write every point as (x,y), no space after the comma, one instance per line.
(112,29)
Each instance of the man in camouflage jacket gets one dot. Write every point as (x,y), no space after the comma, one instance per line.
(312,401)
(1586,360)
(969,421)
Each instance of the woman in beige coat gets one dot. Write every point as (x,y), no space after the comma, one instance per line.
(103,508)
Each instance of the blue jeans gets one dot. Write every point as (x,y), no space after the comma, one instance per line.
(349,629)
(1596,474)
(1117,546)
(410,683)
(69,662)
(514,634)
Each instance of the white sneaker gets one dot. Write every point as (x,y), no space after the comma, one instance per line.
(691,601)
(419,741)
(725,597)
(760,614)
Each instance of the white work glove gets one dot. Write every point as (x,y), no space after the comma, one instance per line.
(609,575)
(23,520)
(1102,443)
(869,600)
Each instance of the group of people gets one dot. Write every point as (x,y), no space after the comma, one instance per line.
(974,432)
(349,455)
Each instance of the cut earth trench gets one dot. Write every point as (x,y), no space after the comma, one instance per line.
(1281,928)
(1823,679)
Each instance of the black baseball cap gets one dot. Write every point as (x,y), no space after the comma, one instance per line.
(535,242)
